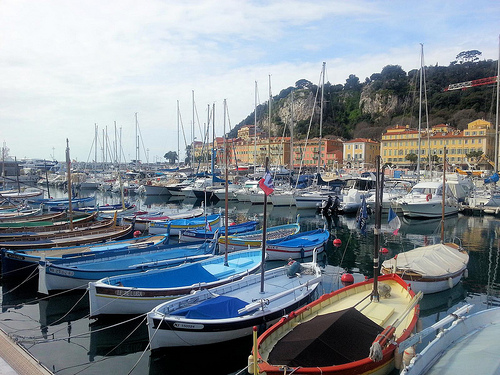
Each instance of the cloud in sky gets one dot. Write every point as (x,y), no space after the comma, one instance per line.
(65,66)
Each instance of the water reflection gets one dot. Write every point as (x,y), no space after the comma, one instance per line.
(123,346)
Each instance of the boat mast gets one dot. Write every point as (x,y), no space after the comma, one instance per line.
(291,136)
(178,147)
(378,219)
(264,235)
(498,99)
(192,134)
(255,130)
(444,194)
(68,166)
(420,114)
(321,116)
(269,135)
(226,218)
(95,148)
(136,141)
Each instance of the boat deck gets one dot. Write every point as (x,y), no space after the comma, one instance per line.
(476,353)
(384,313)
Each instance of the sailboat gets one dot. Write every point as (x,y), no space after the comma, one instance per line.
(231,311)
(432,268)
(354,330)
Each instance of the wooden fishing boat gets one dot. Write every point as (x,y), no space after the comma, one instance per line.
(18,263)
(77,272)
(24,214)
(178,225)
(50,232)
(190,235)
(59,221)
(298,245)
(231,311)
(21,194)
(430,269)
(71,238)
(142,221)
(254,238)
(138,293)
(108,209)
(63,203)
(353,330)
(28,216)
(336,333)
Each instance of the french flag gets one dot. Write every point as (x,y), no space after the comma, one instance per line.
(393,221)
(266,183)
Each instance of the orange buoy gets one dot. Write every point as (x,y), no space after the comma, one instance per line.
(384,250)
(337,242)
(137,233)
(347,278)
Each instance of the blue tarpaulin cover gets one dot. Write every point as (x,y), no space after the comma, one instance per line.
(219,307)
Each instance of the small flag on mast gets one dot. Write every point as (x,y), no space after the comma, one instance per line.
(266,183)
(394,222)
(362,217)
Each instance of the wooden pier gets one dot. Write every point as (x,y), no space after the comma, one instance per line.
(14,359)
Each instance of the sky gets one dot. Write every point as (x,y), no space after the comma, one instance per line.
(126,66)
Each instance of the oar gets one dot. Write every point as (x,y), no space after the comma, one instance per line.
(433,328)
(256,304)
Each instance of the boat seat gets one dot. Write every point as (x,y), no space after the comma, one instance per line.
(378,312)
(223,274)
(242,262)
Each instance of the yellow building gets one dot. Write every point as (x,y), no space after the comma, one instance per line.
(360,153)
(400,141)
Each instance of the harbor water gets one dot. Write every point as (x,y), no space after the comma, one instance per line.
(58,332)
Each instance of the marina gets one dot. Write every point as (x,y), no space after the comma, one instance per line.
(60,322)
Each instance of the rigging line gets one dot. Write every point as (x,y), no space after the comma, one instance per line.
(70,310)
(106,356)
(183,134)
(28,278)
(91,147)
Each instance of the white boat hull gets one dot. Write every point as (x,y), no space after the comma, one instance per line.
(175,330)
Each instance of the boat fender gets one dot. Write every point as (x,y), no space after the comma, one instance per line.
(293,268)
(428,197)
(466,273)
(398,359)
(250,364)
(450,282)
(408,354)
(420,325)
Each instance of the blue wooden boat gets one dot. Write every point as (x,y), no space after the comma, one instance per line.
(176,226)
(77,272)
(18,263)
(71,238)
(227,313)
(63,204)
(298,245)
(138,293)
(190,235)
(254,238)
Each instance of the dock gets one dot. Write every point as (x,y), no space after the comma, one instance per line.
(14,359)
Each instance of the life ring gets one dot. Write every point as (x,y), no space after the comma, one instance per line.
(428,197)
